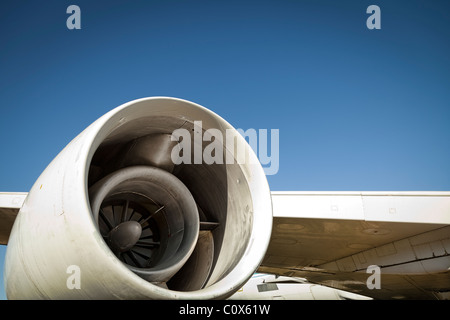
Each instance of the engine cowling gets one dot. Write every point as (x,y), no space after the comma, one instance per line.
(136,223)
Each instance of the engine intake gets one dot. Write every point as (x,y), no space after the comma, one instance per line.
(149,219)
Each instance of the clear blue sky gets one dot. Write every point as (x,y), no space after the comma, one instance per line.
(357,109)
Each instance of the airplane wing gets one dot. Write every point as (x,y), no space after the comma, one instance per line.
(10,204)
(346,239)
(331,238)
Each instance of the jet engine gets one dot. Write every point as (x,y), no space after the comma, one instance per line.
(117,212)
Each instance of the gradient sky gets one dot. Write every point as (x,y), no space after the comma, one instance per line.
(357,109)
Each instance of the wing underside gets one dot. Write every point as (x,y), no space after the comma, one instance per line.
(336,239)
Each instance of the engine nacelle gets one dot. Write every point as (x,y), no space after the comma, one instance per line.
(136,223)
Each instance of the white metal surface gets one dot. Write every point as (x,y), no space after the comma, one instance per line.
(271,287)
(413,207)
(12,200)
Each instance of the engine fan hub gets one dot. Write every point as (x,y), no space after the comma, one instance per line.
(124,236)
